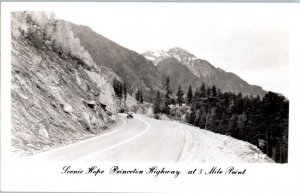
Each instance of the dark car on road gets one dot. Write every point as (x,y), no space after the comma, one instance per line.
(129,115)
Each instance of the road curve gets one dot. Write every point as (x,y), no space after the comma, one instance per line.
(137,139)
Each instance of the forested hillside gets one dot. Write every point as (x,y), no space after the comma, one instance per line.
(262,122)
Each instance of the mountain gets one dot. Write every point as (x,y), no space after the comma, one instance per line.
(202,69)
(138,71)
(58,94)
(134,69)
(178,73)
(156,56)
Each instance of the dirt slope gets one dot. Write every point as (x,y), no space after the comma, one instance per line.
(57,95)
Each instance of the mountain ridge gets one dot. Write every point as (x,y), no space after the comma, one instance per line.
(140,71)
(134,69)
(205,71)
(178,73)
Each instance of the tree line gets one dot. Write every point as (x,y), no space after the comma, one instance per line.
(262,122)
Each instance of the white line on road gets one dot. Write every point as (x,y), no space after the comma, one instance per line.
(183,150)
(118,144)
(80,142)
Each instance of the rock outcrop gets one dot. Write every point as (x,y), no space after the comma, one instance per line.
(52,78)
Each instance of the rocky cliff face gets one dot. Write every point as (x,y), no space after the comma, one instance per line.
(202,69)
(59,94)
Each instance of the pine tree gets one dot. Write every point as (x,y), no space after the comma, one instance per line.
(214,91)
(168,91)
(240,127)
(275,113)
(189,96)
(261,122)
(179,95)
(208,92)
(219,93)
(173,101)
(191,116)
(196,99)
(157,102)
(239,103)
(118,88)
(137,95)
(167,101)
(124,92)
(202,120)
(202,90)
(212,122)
(232,125)
(115,86)
(141,99)
(197,118)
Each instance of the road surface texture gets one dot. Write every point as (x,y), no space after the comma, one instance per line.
(146,139)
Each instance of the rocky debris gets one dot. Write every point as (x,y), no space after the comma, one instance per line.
(43,132)
(90,122)
(49,84)
(24,96)
(104,119)
(91,103)
(97,123)
(77,78)
(86,120)
(113,118)
(103,96)
(68,108)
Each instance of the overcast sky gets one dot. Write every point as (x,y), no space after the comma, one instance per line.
(250,40)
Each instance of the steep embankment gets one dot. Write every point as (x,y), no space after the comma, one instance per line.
(58,93)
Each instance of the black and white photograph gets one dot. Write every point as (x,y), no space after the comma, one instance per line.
(113,102)
(169,83)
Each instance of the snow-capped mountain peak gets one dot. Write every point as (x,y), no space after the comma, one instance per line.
(181,55)
(156,56)
(199,71)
